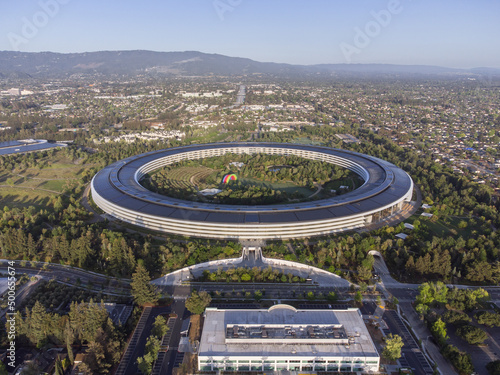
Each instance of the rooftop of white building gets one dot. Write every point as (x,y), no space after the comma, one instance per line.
(283,330)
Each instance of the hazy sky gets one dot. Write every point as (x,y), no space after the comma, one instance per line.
(453,33)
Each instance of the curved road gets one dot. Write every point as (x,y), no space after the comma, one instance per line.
(73,276)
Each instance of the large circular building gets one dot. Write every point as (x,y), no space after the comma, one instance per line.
(117,191)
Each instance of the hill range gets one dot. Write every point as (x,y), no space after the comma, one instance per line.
(192,63)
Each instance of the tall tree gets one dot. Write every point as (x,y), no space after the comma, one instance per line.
(69,338)
(393,345)
(142,291)
(197,302)
(439,330)
(38,324)
(159,327)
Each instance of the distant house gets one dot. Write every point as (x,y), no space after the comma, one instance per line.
(79,358)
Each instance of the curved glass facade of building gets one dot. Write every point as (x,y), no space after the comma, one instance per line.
(117,191)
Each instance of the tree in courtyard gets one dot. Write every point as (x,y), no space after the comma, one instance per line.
(197,302)
(332,297)
(438,329)
(364,273)
(145,363)
(473,335)
(257,295)
(393,345)
(159,327)
(310,296)
(142,291)
(488,318)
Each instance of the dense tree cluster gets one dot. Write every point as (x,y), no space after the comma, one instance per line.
(488,318)
(469,253)
(85,324)
(348,253)
(473,335)
(196,303)
(457,304)
(472,255)
(60,233)
(462,361)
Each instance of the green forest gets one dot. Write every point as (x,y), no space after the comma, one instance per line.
(56,228)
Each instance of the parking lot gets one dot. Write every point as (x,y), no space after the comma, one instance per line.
(412,356)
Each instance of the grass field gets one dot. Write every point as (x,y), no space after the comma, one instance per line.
(288,187)
(35,186)
(446,226)
(187,177)
(20,198)
(306,141)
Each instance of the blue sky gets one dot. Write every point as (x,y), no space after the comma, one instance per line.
(452,33)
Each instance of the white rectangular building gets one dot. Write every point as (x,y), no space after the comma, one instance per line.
(284,338)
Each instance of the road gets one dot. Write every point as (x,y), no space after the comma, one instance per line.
(21,293)
(73,276)
(86,204)
(240,97)
(178,308)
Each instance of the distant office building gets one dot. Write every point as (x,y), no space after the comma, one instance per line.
(27,145)
(284,338)
(15,92)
